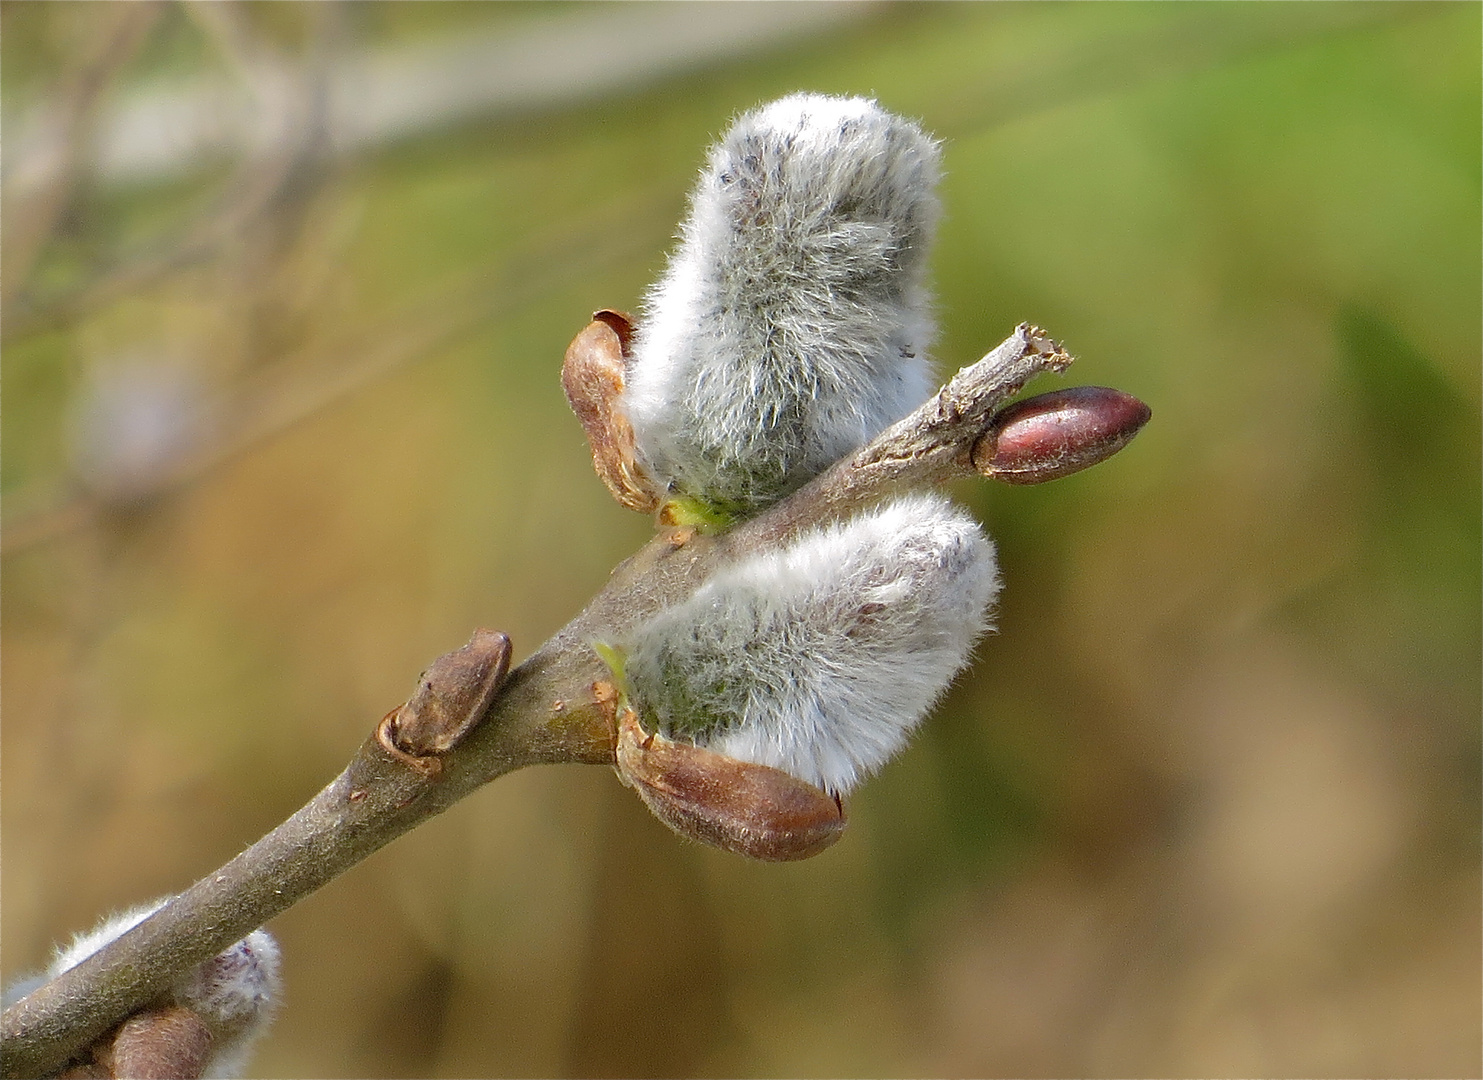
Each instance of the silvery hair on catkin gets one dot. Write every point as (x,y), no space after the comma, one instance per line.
(793,322)
(819,658)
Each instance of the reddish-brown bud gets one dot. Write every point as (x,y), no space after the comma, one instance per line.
(1053,435)
(452,696)
(749,809)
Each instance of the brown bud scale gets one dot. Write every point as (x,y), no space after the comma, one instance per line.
(171,1043)
(1053,435)
(593,377)
(753,810)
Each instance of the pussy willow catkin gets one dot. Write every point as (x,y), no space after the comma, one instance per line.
(819,658)
(793,322)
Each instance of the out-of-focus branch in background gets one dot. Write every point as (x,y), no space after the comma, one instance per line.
(43,171)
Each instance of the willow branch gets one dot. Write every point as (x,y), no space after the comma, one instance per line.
(933,444)
(469,723)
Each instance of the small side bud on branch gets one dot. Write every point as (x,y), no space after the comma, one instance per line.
(1053,435)
(452,696)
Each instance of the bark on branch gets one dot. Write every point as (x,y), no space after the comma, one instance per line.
(469,722)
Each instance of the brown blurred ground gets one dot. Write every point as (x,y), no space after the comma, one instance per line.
(282,422)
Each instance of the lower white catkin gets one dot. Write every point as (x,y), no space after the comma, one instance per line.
(793,322)
(235,992)
(821,657)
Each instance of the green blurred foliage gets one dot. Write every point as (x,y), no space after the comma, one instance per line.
(1207,803)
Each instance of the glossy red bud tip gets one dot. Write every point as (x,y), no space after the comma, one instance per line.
(1053,435)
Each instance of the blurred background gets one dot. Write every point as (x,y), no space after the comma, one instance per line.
(286,290)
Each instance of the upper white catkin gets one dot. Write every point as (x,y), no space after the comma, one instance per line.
(820,658)
(793,322)
(235,992)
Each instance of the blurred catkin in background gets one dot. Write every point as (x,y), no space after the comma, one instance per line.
(286,290)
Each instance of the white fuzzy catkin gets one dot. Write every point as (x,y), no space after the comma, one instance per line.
(793,322)
(235,992)
(821,657)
